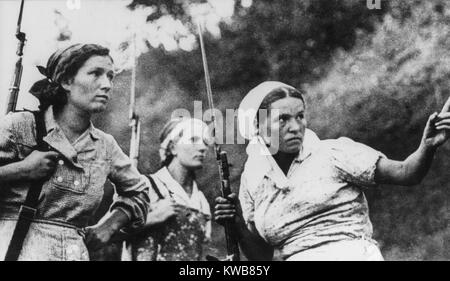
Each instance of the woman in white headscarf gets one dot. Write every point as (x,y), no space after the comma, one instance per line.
(179,221)
(303,196)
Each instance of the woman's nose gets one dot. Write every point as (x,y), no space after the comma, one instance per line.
(294,125)
(202,147)
(105,83)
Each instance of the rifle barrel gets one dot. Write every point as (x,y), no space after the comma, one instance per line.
(221,157)
(17,75)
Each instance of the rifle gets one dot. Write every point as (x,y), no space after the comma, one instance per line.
(135,124)
(222,161)
(17,76)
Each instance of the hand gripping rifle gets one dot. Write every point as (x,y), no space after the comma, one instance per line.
(15,82)
(222,161)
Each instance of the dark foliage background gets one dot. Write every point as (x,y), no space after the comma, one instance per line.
(372,75)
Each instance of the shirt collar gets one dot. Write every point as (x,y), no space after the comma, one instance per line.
(93,132)
(50,124)
(260,162)
(56,138)
(310,143)
(175,188)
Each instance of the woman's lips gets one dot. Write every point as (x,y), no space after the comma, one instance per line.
(294,140)
(102,97)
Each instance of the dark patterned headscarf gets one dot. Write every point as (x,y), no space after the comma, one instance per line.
(62,66)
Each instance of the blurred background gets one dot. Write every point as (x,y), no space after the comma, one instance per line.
(374,75)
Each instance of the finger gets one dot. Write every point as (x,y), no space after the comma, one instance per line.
(225,207)
(442,122)
(87,238)
(443,127)
(443,115)
(53,155)
(50,163)
(224,212)
(221,200)
(223,218)
(177,205)
(177,210)
(232,196)
(50,168)
(433,117)
(446,106)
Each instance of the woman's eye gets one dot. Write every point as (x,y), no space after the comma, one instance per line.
(96,73)
(300,116)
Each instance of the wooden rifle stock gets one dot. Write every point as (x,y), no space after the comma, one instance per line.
(231,241)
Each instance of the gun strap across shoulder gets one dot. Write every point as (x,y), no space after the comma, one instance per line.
(155,187)
(28,209)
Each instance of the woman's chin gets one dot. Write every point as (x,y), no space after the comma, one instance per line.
(98,108)
(195,166)
(291,149)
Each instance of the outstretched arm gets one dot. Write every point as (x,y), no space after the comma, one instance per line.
(414,168)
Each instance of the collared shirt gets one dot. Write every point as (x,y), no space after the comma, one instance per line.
(75,190)
(320,201)
(170,188)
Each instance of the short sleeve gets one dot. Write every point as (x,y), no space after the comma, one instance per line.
(8,147)
(247,203)
(354,162)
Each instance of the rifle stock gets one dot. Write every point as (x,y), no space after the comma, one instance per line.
(231,241)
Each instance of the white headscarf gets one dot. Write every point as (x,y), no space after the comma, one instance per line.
(188,127)
(260,160)
(250,104)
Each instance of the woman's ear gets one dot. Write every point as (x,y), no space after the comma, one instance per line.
(256,125)
(172,148)
(65,84)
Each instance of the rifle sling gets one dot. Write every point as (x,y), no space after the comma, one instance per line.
(155,187)
(28,209)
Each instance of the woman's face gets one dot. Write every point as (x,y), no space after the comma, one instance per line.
(287,117)
(190,150)
(89,90)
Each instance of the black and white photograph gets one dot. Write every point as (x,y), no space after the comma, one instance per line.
(248,131)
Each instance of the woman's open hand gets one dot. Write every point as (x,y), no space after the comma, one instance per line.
(437,130)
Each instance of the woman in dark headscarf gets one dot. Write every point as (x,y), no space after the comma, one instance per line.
(77,84)
(304,196)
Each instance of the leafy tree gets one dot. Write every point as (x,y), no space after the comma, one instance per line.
(372,75)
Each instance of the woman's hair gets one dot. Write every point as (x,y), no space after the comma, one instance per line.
(278,94)
(167,129)
(62,66)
